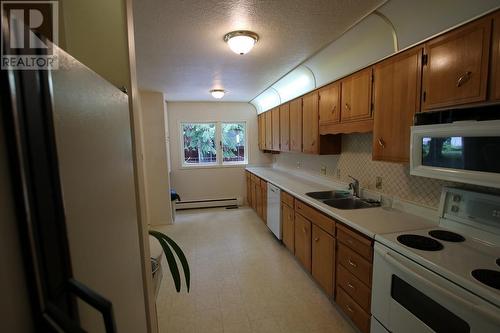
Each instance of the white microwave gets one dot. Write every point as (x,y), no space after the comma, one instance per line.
(463,151)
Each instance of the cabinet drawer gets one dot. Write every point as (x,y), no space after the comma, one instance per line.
(315,217)
(357,242)
(359,317)
(355,264)
(287,199)
(354,288)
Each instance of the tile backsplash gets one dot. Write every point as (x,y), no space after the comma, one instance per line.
(356,160)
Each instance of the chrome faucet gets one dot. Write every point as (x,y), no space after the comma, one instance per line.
(354,186)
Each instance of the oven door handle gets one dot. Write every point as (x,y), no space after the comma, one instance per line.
(494,315)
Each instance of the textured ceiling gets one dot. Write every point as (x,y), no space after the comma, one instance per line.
(180,50)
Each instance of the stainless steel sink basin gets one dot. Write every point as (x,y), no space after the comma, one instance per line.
(342,200)
(326,195)
(351,203)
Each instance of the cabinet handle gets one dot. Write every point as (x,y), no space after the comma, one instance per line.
(349,308)
(381,143)
(463,78)
(349,284)
(304,230)
(313,142)
(316,239)
(352,263)
(347,106)
(334,108)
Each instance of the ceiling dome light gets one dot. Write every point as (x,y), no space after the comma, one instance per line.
(241,41)
(217,93)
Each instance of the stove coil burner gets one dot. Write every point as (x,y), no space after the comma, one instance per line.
(420,242)
(447,236)
(489,277)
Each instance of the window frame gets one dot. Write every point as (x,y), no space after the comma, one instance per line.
(219,163)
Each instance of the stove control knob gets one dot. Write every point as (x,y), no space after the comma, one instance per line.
(457,198)
(454,209)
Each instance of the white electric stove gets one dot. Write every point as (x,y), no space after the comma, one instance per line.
(441,279)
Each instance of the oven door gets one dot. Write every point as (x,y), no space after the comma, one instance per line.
(408,298)
(465,152)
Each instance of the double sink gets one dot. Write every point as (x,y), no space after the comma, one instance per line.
(342,200)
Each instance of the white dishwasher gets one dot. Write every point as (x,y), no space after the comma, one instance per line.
(274,209)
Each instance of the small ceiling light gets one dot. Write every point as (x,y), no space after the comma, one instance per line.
(217,93)
(241,41)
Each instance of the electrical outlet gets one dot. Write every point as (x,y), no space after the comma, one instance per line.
(299,164)
(378,182)
(323,170)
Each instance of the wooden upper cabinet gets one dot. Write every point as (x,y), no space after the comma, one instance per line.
(495,53)
(329,104)
(396,92)
(296,125)
(275,114)
(269,130)
(356,96)
(456,66)
(310,123)
(261,122)
(285,127)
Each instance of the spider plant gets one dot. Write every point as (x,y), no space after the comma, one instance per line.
(168,245)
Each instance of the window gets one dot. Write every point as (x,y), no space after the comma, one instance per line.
(200,148)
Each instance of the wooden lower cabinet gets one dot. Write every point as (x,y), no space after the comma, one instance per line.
(323,259)
(354,276)
(303,241)
(358,316)
(248,178)
(263,188)
(288,226)
(258,197)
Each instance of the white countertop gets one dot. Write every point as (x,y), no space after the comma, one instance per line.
(369,221)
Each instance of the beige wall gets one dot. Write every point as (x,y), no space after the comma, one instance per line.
(211,183)
(95,33)
(14,300)
(155,157)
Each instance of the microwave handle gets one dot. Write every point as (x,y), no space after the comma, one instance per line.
(395,262)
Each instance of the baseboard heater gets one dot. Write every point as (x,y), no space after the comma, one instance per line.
(194,204)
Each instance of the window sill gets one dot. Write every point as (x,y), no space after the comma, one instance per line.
(216,166)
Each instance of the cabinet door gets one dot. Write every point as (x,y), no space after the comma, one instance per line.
(356,92)
(263,188)
(254,195)
(249,188)
(495,72)
(258,197)
(296,125)
(310,123)
(285,127)
(275,114)
(288,227)
(269,130)
(262,130)
(303,241)
(323,259)
(396,91)
(329,104)
(457,66)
